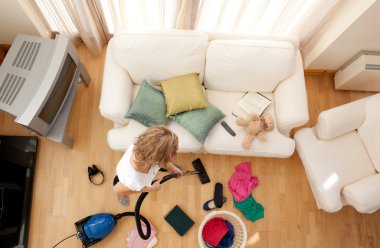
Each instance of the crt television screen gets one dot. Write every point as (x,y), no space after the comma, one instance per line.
(52,105)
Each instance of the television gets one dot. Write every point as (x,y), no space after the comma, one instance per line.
(37,77)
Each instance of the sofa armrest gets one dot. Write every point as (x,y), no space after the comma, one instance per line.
(363,195)
(116,95)
(340,120)
(290,100)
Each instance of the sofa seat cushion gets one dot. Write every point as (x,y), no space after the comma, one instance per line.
(120,139)
(370,131)
(159,56)
(363,194)
(219,141)
(248,65)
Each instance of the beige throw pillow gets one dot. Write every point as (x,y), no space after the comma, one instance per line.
(183,93)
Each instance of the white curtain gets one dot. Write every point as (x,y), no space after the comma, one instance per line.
(139,14)
(87,28)
(95,20)
(187,14)
(71,18)
(263,17)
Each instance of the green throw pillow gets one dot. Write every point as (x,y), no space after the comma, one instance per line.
(199,122)
(149,107)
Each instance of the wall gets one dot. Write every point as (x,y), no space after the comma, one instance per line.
(354,28)
(13,20)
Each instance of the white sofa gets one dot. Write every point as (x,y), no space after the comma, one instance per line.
(228,66)
(341,156)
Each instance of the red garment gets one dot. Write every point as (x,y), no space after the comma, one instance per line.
(214,231)
(242,182)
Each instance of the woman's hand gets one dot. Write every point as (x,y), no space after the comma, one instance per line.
(156,186)
(179,172)
(170,166)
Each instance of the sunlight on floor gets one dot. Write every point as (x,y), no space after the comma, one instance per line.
(255,238)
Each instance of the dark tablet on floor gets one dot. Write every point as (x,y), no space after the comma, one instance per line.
(179,220)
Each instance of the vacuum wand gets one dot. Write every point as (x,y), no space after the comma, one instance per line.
(199,170)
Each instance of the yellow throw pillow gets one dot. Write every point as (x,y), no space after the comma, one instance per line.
(183,93)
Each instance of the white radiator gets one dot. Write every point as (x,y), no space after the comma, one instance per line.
(361,73)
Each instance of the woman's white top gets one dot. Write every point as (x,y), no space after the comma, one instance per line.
(131,178)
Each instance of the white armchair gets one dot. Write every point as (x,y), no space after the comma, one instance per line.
(341,156)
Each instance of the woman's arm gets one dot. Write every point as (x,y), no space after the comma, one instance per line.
(171,167)
(122,189)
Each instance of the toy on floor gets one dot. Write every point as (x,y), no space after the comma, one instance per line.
(255,127)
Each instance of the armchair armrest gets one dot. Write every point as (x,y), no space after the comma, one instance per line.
(363,194)
(116,95)
(322,177)
(291,100)
(340,120)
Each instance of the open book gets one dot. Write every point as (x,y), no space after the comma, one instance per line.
(251,102)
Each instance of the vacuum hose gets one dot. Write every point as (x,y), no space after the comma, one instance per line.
(138,217)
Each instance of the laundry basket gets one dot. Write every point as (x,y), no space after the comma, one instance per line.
(240,230)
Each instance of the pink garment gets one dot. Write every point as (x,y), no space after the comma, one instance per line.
(134,239)
(242,182)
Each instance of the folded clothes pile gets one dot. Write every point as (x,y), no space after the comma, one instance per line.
(135,241)
(218,233)
(241,185)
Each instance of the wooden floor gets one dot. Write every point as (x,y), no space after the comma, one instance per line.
(62,193)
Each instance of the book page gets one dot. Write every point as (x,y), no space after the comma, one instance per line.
(251,102)
(239,112)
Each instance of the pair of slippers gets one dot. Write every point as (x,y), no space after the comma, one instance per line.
(218,200)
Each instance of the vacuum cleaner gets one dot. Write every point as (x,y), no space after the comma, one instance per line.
(94,228)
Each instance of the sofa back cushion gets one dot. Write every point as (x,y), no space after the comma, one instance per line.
(248,65)
(370,132)
(160,56)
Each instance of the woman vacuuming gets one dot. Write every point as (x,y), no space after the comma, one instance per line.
(153,149)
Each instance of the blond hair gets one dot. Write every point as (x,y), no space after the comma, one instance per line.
(157,145)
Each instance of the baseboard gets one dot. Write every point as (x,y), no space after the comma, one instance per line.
(320,72)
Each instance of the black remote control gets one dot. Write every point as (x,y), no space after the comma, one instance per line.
(228,128)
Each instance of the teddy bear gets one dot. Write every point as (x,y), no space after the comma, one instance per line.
(255,127)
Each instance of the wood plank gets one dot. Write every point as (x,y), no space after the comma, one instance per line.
(62,193)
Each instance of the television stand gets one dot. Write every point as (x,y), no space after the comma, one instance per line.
(58,132)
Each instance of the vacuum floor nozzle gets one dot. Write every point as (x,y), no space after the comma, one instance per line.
(202,174)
